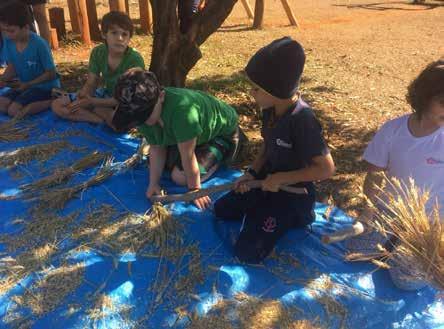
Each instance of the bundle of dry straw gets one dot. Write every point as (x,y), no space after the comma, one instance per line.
(9,132)
(418,234)
(62,174)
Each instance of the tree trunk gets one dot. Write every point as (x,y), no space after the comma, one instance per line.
(258,15)
(175,54)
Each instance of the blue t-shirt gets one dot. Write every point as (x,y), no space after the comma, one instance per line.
(33,61)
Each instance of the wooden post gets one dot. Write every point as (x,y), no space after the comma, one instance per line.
(258,14)
(145,16)
(93,21)
(73,16)
(83,14)
(127,7)
(117,5)
(57,21)
(54,39)
(248,9)
(289,13)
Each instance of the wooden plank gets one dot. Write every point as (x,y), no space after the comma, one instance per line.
(83,14)
(94,29)
(117,5)
(73,16)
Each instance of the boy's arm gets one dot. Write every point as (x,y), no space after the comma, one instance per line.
(158,156)
(189,163)
(191,170)
(105,102)
(89,88)
(259,160)
(321,167)
(46,76)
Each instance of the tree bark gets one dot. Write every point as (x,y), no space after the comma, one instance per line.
(258,14)
(175,54)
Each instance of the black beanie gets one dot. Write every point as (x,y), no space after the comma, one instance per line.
(277,67)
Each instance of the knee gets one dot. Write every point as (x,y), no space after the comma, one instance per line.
(59,108)
(14,109)
(178,176)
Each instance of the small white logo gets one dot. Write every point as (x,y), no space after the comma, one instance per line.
(280,142)
(30,63)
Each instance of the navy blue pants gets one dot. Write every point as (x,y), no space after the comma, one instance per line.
(186,11)
(266,218)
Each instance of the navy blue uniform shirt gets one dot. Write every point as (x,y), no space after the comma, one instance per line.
(293,140)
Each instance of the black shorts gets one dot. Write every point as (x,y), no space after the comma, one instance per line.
(34,2)
(222,149)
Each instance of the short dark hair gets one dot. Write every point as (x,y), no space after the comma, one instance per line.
(428,86)
(118,18)
(15,13)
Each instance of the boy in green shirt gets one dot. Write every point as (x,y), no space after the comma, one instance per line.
(107,62)
(189,132)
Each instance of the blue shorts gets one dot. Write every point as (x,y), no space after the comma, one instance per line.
(28,96)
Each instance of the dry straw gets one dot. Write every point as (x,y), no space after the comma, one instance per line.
(24,155)
(57,198)
(418,235)
(62,174)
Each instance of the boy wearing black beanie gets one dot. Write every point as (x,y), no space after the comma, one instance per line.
(293,153)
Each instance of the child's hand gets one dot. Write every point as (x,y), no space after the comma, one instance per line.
(86,102)
(22,86)
(153,190)
(203,202)
(272,183)
(239,186)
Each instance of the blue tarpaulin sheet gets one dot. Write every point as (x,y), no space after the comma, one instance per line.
(139,289)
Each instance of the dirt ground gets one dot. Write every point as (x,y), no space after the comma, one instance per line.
(361,55)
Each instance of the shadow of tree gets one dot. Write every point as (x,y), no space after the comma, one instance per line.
(382,6)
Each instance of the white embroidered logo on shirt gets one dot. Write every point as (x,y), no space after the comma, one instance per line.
(433,161)
(280,142)
(30,63)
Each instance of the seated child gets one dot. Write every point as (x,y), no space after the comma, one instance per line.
(107,61)
(293,153)
(29,61)
(411,146)
(189,132)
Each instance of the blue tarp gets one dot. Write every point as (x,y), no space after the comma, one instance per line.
(135,289)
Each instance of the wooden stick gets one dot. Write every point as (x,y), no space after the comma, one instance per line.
(54,39)
(193,195)
(248,9)
(356,229)
(57,21)
(289,13)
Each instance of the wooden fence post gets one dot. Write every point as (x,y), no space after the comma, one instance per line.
(127,7)
(73,16)
(248,9)
(83,14)
(258,14)
(145,16)
(289,13)
(93,20)
(117,5)
(54,39)
(57,21)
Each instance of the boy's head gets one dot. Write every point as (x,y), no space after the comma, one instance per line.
(426,92)
(277,69)
(137,92)
(117,30)
(15,19)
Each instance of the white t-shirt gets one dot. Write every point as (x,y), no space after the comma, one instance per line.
(403,156)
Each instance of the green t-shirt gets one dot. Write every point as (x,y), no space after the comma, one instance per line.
(187,114)
(98,64)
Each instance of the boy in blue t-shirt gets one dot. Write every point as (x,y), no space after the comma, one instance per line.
(31,72)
